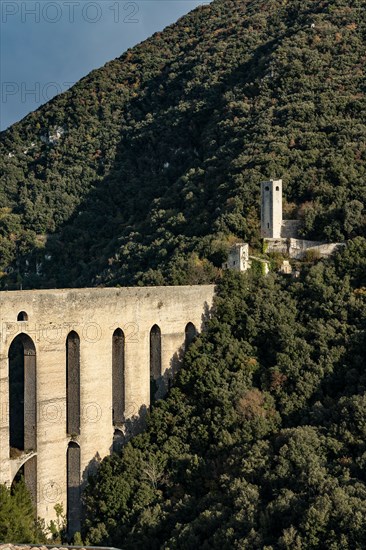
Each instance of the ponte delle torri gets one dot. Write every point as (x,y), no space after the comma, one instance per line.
(78,369)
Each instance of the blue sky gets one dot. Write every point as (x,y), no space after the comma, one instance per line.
(47,45)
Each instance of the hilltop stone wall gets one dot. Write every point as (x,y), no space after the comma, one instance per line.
(298,248)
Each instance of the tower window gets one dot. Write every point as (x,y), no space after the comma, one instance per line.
(277,188)
(267,188)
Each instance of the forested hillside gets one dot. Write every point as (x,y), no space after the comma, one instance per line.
(261,443)
(144,173)
(149,167)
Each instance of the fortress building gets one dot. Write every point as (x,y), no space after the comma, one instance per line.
(78,370)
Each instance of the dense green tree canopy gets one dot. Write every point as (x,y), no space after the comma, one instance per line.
(261,443)
(144,173)
(17,516)
(146,169)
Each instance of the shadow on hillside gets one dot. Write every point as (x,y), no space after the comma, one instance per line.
(127,220)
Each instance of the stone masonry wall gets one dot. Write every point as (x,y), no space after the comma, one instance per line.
(94,314)
(297,248)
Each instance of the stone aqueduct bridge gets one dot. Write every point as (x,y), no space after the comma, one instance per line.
(78,368)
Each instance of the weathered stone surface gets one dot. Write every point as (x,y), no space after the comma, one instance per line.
(298,248)
(271,209)
(238,258)
(290,229)
(94,314)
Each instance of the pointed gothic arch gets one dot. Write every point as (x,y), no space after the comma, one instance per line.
(23,410)
(118,377)
(155,361)
(22,394)
(73,383)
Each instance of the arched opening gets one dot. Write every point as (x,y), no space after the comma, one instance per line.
(22,316)
(277,188)
(190,333)
(22,394)
(73,384)
(267,188)
(155,361)
(118,440)
(118,376)
(73,489)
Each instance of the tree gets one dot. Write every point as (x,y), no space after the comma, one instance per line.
(17,516)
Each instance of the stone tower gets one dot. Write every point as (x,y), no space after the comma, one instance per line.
(271,211)
(238,258)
